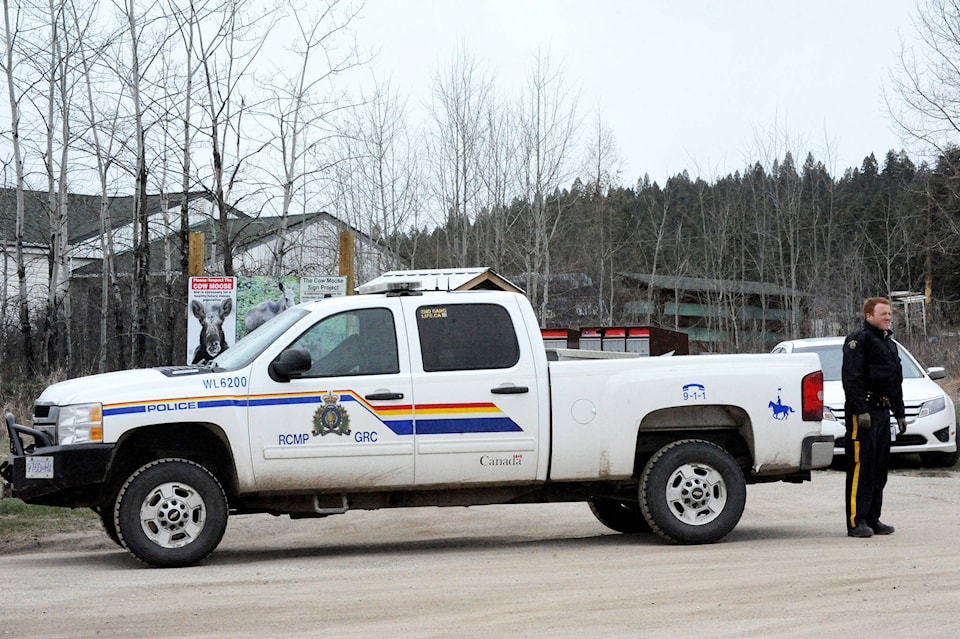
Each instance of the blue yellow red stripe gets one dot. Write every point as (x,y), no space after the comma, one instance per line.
(429,419)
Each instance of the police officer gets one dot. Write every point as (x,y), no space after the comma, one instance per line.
(872,380)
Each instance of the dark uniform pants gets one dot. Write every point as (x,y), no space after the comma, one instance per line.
(867,457)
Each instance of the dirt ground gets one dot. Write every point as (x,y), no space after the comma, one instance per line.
(787,570)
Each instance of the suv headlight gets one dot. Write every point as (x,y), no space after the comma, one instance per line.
(80,423)
(931,407)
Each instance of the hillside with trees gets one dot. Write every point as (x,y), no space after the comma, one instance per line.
(272,114)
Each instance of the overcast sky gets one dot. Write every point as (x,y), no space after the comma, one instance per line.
(697,85)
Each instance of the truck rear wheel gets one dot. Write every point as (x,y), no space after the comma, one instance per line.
(692,492)
(171,513)
(619,515)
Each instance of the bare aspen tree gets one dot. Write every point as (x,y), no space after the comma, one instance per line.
(549,123)
(186,26)
(166,349)
(146,44)
(927,80)
(826,248)
(927,85)
(67,79)
(26,330)
(100,138)
(140,216)
(60,83)
(459,104)
(786,197)
(303,105)
(658,216)
(178,110)
(722,215)
(225,58)
(377,184)
(601,167)
(498,174)
(171,173)
(782,222)
(53,208)
(394,168)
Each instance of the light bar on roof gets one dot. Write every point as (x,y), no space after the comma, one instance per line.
(390,286)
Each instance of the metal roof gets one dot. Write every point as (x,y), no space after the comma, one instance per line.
(83,212)
(743,287)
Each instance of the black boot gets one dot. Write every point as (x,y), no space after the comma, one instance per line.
(880,528)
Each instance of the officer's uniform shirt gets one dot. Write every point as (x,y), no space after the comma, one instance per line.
(871,364)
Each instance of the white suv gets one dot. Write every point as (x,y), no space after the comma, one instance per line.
(931,419)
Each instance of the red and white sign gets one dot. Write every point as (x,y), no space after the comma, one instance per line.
(211,317)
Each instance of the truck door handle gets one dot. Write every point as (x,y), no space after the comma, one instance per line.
(381,396)
(509,390)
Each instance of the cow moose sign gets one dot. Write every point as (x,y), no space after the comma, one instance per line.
(221,310)
(211,321)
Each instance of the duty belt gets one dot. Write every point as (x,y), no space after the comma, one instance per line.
(877,401)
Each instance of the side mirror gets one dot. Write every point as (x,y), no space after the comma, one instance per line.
(289,363)
(936,372)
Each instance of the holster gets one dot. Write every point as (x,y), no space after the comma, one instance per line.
(877,401)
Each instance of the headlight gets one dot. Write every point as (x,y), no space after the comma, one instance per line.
(931,407)
(828,414)
(80,423)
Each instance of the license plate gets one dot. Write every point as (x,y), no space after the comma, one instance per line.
(39,468)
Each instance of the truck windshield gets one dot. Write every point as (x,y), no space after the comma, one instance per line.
(252,344)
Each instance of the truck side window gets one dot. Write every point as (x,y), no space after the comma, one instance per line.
(466,337)
(360,342)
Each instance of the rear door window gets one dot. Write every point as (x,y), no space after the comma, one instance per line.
(466,337)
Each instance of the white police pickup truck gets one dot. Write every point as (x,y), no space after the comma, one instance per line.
(406,398)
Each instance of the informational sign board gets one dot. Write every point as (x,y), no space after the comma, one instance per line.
(211,317)
(260,298)
(318,288)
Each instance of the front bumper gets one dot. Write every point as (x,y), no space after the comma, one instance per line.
(40,473)
(817,452)
(932,434)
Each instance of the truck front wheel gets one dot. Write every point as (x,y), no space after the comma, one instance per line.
(692,492)
(105,512)
(171,513)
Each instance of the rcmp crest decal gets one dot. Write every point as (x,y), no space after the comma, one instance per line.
(331,417)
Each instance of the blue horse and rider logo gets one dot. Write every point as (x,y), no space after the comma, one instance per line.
(780,410)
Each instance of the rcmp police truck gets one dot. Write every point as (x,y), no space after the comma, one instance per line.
(405,398)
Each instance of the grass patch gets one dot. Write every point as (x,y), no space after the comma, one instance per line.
(27,528)
(16,515)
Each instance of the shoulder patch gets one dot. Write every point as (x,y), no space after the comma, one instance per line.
(852,344)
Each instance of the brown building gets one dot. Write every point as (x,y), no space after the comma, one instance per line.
(718,315)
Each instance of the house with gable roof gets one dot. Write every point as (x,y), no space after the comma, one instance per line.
(311,245)
(85,250)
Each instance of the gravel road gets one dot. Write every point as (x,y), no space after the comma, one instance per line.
(787,570)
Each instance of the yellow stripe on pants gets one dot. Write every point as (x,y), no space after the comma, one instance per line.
(856,473)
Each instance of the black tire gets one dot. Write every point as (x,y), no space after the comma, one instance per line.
(692,492)
(622,516)
(940,460)
(171,513)
(105,512)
